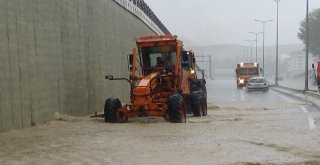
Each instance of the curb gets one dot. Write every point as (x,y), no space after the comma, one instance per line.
(289,89)
(286,91)
(313,94)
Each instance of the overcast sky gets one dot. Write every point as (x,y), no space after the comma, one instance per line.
(211,22)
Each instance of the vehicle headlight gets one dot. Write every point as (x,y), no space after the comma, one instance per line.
(192,71)
(241,81)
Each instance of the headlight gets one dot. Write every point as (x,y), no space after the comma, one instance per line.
(192,71)
(241,81)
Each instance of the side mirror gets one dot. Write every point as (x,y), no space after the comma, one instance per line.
(185,60)
(130,58)
(130,62)
(261,70)
(109,77)
(312,66)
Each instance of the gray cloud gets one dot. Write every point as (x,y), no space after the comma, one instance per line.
(208,22)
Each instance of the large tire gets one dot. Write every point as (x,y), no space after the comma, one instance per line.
(110,109)
(187,105)
(204,101)
(198,98)
(204,107)
(196,104)
(176,109)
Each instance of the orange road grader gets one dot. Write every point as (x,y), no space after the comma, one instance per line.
(163,83)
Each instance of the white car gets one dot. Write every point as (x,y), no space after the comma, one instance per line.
(257,83)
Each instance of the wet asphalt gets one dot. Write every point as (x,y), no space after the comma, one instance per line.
(225,90)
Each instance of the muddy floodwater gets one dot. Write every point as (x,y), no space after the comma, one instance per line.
(232,133)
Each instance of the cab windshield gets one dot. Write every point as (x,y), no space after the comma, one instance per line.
(158,56)
(258,80)
(248,71)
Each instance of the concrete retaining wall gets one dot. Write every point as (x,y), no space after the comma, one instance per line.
(54,55)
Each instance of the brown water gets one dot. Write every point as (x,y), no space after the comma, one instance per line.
(252,134)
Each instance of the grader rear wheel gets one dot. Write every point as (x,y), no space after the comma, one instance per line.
(197,110)
(204,107)
(196,104)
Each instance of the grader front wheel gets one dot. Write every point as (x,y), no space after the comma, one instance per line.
(176,111)
(196,104)
(111,107)
(121,116)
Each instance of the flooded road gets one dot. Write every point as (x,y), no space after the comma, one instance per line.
(241,128)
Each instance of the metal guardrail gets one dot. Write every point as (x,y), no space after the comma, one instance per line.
(140,9)
(199,69)
(313,94)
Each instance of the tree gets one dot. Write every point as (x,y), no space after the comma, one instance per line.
(314,32)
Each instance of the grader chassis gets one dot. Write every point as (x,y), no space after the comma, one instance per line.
(168,90)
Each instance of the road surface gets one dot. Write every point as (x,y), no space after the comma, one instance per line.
(241,128)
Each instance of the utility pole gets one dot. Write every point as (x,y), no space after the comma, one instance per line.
(210,67)
(251,48)
(277,49)
(206,59)
(307,49)
(256,43)
(264,24)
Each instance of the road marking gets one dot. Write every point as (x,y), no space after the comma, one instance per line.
(286,98)
(311,120)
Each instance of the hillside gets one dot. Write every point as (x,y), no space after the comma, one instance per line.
(226,56)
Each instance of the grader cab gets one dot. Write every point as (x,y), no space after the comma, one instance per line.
(197,100)
(159,85)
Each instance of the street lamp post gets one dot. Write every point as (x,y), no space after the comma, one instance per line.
(277,49)
(247,53)
(251,48)
(263,33)
(256,43)
(307,48)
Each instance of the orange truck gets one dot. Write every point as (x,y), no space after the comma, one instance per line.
(317,74)
(245,71)
(160,86)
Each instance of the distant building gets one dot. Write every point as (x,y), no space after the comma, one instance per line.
(296,63)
